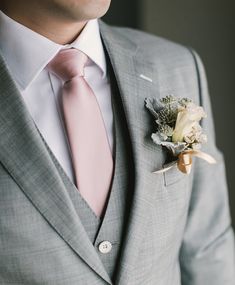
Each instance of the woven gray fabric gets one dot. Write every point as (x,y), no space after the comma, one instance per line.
(179,228)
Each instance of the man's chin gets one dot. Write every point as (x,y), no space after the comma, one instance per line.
(87,11)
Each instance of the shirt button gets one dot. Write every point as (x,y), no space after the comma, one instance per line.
(105,246)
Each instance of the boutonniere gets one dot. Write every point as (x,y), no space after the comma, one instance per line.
(178,130)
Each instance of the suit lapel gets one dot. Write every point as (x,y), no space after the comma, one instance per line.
(129,65)
(24,155)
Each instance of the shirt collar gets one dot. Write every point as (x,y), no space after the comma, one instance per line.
(27,53)
(89,42)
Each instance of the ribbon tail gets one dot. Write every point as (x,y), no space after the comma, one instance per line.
(166,167)
(203,156)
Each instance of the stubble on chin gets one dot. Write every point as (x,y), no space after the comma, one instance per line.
(78,10)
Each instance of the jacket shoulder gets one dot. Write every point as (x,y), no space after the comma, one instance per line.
(169,59)
(156,48)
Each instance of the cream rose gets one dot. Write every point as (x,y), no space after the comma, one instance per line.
(187,120)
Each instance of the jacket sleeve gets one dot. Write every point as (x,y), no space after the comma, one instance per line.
(207,254)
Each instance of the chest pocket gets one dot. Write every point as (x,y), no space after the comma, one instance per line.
(173,176)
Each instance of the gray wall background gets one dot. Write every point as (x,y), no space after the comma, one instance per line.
(209,27)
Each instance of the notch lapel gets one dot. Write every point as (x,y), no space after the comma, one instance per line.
(24,155)
(129,65)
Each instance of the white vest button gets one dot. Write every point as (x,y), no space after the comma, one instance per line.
(105,246)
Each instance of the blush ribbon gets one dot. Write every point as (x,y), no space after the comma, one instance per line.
(185,161)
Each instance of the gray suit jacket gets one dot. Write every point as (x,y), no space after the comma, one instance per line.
(179,230)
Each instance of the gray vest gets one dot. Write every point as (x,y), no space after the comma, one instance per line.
(112,226)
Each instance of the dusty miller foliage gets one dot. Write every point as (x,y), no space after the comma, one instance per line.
(165,112)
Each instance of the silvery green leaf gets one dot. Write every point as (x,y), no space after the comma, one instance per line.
(159,122)
(184,102)
(163,136)
(165,132)
(169,99)
(168,114)
(154,106)
(174,148)
(156,138)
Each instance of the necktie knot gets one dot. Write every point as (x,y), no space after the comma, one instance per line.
(68,63)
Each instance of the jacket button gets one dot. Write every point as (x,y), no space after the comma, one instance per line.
(105,246)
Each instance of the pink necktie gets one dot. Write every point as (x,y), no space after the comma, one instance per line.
(91,155)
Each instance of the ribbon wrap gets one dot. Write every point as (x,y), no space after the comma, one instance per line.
(185,160)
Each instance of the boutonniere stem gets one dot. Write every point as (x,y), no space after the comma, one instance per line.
(185,161)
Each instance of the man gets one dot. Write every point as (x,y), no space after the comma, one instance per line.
(80,203)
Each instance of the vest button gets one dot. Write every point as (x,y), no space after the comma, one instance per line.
(105,246)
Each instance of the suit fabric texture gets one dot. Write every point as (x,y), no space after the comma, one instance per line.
(166,229)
